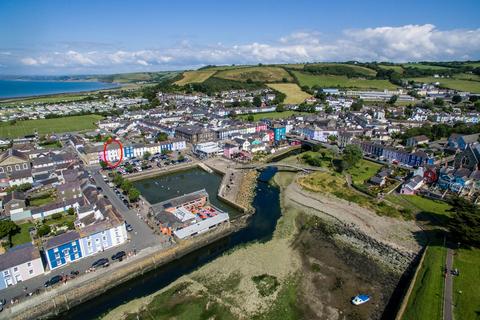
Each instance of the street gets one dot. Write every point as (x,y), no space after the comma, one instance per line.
(141,237)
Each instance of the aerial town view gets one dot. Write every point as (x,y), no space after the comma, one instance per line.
(261,160)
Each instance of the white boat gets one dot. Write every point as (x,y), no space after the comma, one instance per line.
(360,299)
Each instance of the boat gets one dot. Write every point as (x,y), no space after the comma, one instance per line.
(360,299)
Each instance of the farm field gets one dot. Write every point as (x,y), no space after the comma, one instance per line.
(294,94)
(195,77)
(398,69)
(274,115)
(359,69)
(428,288)
(329,81)
(257,74)
(43,126)
(425,66)
(466,76)
(467,303)
(456,84)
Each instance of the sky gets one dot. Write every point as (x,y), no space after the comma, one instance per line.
(91,37)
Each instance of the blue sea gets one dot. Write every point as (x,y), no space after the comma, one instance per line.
(21,88)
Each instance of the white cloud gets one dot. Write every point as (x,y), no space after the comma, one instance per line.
(399,44)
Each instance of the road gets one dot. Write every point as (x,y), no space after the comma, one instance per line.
(141,237)
(448,290)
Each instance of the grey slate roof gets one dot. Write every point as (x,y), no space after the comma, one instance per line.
(61,239)
(18,255)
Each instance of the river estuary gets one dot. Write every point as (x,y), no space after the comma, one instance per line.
(260,228)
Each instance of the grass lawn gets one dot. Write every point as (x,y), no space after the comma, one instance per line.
(43,126)
(425,302)
(332,81)
(258,74)
(456,84)
(295,95)
(64,219)
(23,236)
(274,115)
(363,171)
(40,201)
(468,302)
(195,76)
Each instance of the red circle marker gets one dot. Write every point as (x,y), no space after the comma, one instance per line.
(105,145)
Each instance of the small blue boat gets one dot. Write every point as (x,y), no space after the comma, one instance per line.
(360,299)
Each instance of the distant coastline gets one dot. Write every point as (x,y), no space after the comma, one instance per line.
(23,88)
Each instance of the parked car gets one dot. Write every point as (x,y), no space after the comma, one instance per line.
(119,255)
(103,262)
(53,280)
(129,227)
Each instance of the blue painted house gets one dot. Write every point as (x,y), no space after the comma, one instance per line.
(279,132)
(128,152)
(63,249)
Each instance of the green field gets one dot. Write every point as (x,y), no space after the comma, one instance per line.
(456,84)
(467,303)
(425,66)
(331,81)
(466,76)
(195,76)
(425,302)
(294,94)
(23,236)
(257,74)
(358,69)
(363,171)
(473,64)
(398,69)
(274,115)
(43,126)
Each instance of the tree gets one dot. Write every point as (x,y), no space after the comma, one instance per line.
(332,138)
(43,230)
(133,194)
(24,187)
(465,222)
(357,105)
(129,168)
(393,99)
(71,211)
(257,101)
(328,109)
(162,136)
(103,164)
(456,99)
(146,155)
(351,155)
(473,98)
(438,102)
(126,185)
(56,215)
(279,108)
(8,228)
(118,179)
(250,118)
(181,157)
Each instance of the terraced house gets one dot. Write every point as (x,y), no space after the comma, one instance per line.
(18,264)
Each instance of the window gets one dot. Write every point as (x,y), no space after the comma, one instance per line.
(29,264)
(6,273)
(104,238)
(9,169)
(30,271)
(15,269)
(57,255)
(1,169)
(17,167)
(25,166)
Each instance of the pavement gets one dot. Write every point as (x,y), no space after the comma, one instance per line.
(140,238)
(448,289)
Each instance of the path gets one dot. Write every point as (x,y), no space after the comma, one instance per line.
(448,289)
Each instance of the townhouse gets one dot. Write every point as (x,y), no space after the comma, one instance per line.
(20,263)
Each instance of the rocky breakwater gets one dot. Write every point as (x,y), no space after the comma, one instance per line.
(246,192)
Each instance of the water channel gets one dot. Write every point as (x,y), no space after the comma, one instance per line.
(260,228)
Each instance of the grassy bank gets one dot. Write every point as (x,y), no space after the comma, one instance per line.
(426,299)
(334,81)
(466,286)
(43,126)
(293,92)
